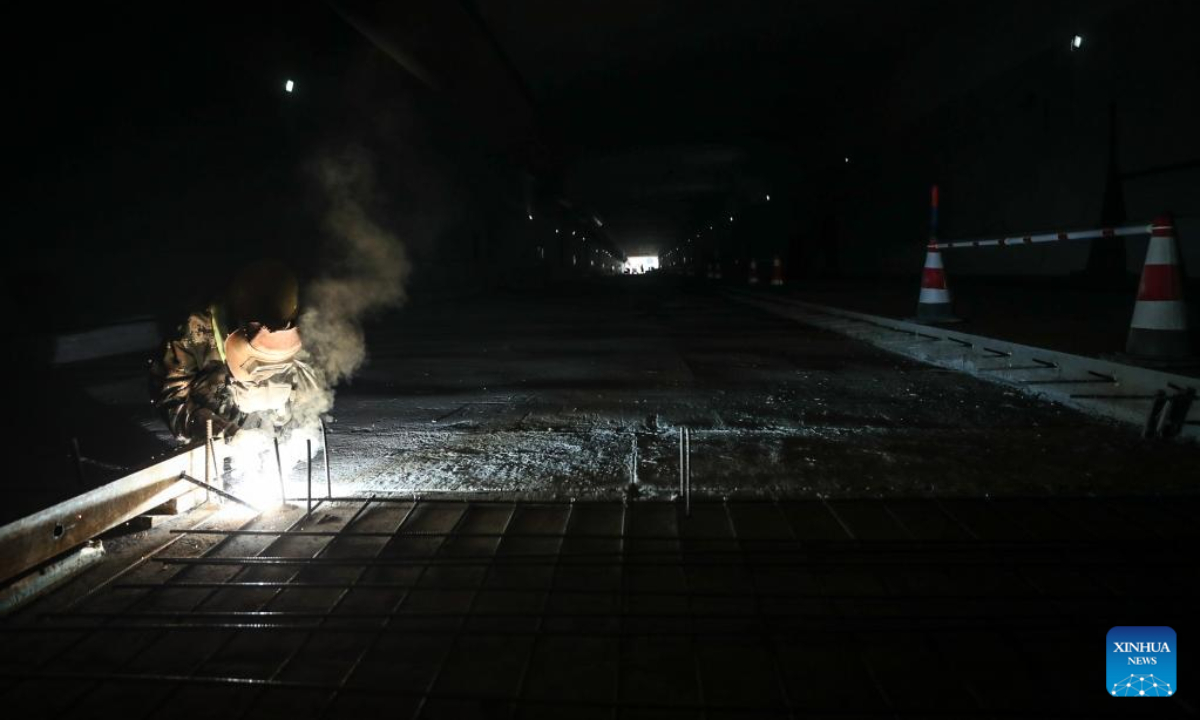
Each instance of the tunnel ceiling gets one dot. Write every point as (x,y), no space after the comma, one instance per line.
(658,114)
(655,115)
(655,109)
(661,109)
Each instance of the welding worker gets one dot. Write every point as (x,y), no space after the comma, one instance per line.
(235,358)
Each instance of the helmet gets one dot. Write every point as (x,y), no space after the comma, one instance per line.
(264,292)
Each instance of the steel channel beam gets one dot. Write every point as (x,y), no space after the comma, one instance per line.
(34,539)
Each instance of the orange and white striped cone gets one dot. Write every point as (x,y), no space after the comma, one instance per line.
(934,304)
(753,279)
(1159,329)
(777,272)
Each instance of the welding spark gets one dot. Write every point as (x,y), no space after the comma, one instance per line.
(255,467)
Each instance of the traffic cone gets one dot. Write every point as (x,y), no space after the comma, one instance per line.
(777,272)
(1159,328)
(753,272)
(934,304)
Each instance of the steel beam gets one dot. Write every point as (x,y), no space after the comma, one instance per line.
(34,584)
(36,538)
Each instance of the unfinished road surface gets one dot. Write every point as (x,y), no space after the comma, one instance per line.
(549,394)
(869,537)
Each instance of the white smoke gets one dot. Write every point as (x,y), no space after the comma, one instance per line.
(371,270)
(367,273)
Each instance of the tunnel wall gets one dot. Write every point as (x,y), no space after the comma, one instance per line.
(191,159)
(1017,137)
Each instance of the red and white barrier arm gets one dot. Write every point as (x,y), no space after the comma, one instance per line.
(1048,237)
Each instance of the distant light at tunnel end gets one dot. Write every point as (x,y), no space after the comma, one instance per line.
(289,86)
(637,264)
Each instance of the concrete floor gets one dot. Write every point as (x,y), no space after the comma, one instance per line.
(547,394)
(870,538)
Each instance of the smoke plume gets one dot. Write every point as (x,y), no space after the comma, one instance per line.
(367,273)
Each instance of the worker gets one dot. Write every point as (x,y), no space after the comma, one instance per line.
(235,359)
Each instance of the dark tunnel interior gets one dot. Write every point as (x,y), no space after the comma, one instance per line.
(646,359)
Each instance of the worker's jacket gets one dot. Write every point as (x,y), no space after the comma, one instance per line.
(192,384)
(190,381)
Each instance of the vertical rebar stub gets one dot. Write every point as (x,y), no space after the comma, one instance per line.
(279,466)
(325,452)
(308,463)
(208,458)
(687,497)
(681,461)
(633,466)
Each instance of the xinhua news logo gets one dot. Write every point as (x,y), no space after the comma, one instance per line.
(1141,661)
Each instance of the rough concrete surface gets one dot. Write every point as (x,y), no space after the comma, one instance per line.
(547,394)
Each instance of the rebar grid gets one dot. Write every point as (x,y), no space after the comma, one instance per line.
(698,552)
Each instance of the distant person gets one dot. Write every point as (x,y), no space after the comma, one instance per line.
(235,358)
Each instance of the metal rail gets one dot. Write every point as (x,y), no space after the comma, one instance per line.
(36,538)
(1046,237)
